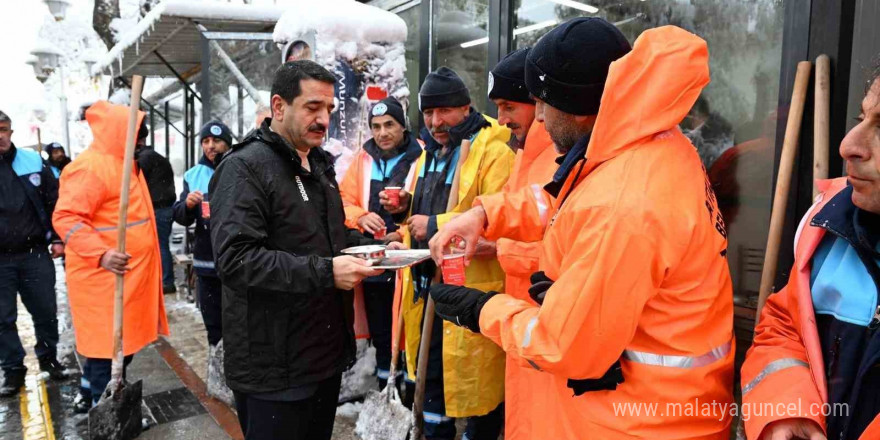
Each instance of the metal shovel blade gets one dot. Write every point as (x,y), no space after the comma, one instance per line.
(118,416)
(383,416)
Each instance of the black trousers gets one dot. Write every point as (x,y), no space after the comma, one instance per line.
(210,291)
(31,275)
(307,419)
(378,302)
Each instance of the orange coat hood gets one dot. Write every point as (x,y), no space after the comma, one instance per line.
(635,103)
(109,124)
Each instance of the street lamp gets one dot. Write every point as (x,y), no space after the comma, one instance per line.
(58,8)
(47,61)
(38,70)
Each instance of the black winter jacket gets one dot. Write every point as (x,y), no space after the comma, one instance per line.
(198,178)
(275,228)
(29,191)
(159,175)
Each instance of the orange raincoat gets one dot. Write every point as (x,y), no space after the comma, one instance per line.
(638,255)
(784,368)
(85,217)
(534,164)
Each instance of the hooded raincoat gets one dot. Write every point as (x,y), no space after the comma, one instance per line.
(473,367)
(637,252)
(86,218)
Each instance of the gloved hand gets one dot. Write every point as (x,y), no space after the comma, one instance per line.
(540,285)
(609,381)
(460,305)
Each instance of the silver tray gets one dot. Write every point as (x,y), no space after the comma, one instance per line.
(398,259)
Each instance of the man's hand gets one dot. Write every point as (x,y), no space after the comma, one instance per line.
(57,250)
(115,262)
(468,226)
(371,222)
(392,237)
(396,246)
(194,199)
(395,209)
(791,429)
(460,305)
(418,227)
(349,271)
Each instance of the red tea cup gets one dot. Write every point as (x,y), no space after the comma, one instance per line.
(393,194)
(453,269)
(206,210)
(380,234)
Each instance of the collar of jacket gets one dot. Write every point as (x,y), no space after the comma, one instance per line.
(566,165)
(843,218)
(472,124)
(321,161)
(207,162)
(9,155)
(409,148)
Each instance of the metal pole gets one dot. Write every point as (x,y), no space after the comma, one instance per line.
(186,154)
(240,106)
(167,133)
(64,117)
(152,128)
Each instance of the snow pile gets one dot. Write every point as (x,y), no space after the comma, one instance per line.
(339,20)
(350,410)
(362,376)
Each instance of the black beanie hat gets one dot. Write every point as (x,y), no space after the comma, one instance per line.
(443,88)
(568,66)
(48,148)
(391,107)
(143,130)
(507,80)
(216,129)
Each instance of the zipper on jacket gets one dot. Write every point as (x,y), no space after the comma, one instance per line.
(834,356)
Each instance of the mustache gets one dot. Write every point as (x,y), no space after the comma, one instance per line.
(513,125)
(441,129)
(318,128)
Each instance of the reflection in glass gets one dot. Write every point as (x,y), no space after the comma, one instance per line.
(460,42)
(411,17)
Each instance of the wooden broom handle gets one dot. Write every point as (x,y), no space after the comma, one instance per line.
(822,118)
(137,85)
(783,182)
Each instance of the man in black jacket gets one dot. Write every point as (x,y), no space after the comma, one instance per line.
(160,179)
(277,232)
(29,191)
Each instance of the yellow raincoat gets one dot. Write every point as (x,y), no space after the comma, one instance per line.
(473,366)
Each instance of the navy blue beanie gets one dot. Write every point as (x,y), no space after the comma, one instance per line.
(216,129)
(391,107)
(443,88)
(568,66)
(507,80)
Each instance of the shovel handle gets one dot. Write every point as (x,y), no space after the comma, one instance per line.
(428,324)
(137,85)
(783,182)
(822,117)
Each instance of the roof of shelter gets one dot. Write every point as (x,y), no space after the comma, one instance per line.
(171,31)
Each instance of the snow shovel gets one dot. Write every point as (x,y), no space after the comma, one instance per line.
(383,416)
(117,416)
(428,324)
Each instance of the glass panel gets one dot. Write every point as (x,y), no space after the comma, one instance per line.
(733,125)
(460,42)
(230,102)
(411,17)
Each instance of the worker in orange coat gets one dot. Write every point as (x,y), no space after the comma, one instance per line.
(86,217)
(812,370)
(535,164)
(634,313)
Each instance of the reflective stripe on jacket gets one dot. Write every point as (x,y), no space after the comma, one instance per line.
(638,254)
(85,217)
